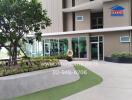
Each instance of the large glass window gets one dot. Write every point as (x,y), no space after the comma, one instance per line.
(28,49)
(46,47)
(54,47)
(63,45)
(34,49)
(50,47)
(96,20)
(79,47)
(39,49)
(82,47)
(75,47)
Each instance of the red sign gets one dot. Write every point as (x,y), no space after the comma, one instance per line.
(117,12)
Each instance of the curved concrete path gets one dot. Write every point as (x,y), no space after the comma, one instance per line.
(116,85)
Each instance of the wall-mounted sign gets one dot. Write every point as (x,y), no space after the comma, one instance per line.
(79,18)
(117,10)
(125,39)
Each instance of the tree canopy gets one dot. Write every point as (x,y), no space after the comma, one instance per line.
(18,18)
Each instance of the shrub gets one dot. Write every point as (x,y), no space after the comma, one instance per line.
(122,55)
(69,58)
(58,56)
(25,65)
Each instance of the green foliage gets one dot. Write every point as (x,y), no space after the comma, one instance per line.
(59,56)
(122,55)
(28,66)
(18,18)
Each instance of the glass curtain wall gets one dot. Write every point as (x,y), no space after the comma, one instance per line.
(79,47)
(53,47)
(82,47)
(35,49)
(75,47)
(63,45)
(46,47)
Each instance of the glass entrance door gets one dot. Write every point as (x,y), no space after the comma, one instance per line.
(94,51)
(101,55)
(79,47)
(97,47)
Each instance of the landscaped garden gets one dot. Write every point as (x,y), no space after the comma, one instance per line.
(86,81)
(18,18)
(27,65)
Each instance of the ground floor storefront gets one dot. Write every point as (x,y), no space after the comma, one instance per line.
(90,46)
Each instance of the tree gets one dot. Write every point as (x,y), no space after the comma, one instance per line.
(18,18)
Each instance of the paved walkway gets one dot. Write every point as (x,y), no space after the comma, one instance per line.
(116,85)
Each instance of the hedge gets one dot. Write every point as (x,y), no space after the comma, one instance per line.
(25,65)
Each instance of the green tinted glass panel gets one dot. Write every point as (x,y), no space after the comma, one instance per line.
(93,39)
(53,47)
(82,47)
(94,51)
(63,44)
(75,47)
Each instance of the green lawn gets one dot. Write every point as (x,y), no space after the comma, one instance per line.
(86,81)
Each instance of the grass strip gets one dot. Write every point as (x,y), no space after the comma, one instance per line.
(86,81)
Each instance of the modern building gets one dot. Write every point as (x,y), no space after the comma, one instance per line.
(93,29)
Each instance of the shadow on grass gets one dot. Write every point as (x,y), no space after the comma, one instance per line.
(86,81)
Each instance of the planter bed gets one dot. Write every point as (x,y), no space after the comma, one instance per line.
(24,67)
(118,60)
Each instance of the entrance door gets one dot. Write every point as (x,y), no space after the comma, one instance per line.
(97,48)
(101,55)
(47,49)
(94,51)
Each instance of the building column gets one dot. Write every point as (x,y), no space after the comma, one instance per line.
(88,48)
(70,43)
